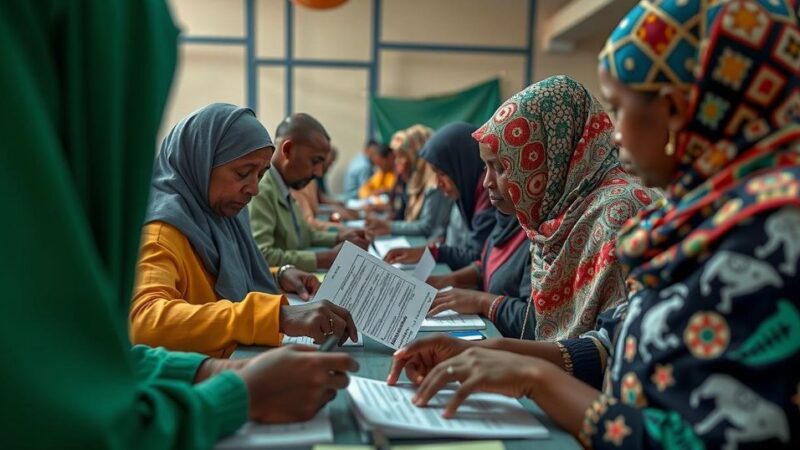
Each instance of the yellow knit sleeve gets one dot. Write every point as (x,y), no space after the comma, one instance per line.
(174,304)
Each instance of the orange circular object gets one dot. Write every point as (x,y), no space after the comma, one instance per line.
(319,4)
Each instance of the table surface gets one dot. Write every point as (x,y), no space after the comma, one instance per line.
(374,361)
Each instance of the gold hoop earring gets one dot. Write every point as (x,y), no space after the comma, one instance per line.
(669,149)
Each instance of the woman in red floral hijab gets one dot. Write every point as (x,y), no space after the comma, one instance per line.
(551,147)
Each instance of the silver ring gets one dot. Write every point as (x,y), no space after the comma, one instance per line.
(450,370)
(330,321)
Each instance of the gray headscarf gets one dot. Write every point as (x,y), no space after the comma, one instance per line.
(207,138)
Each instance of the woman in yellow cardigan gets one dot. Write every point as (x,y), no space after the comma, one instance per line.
(202,284)
(383,181)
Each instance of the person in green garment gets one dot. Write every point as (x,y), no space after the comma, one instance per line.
(84,87)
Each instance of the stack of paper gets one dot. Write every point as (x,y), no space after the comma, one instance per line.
(452,321)
(481,416)
(254,435)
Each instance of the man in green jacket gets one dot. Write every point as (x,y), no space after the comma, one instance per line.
(83,88)
(283,236)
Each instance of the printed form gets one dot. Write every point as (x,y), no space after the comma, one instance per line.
(482,415)
(386,303)
(255,435)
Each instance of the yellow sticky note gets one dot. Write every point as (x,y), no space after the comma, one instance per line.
(320,276)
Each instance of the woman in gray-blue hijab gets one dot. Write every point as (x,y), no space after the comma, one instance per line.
(202,284)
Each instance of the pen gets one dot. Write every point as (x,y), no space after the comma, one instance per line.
(379,439)
(329,344)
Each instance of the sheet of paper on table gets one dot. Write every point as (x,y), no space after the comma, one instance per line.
(381,246)
(452,321)
(449,320)
(386,303)
(360,203)
(482,415)
(255,435)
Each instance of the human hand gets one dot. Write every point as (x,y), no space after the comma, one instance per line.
(377,227)
(462,301)
(482,370)
(404,255)
(326,258)
(419,357)
(346,213)
(318,320)
(296,281)
(440,281)
(356,236)
(292,383)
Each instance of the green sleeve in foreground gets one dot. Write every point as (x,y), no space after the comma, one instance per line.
(161,363)
(84,92)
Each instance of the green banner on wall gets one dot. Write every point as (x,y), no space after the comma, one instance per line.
(474,105)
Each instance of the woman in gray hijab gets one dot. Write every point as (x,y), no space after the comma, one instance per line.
(202,285)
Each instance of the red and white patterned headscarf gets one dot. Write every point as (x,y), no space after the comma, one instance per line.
(571,196)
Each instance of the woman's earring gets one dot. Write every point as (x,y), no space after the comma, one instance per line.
(669,149)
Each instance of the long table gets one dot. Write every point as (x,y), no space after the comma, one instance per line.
(374,361)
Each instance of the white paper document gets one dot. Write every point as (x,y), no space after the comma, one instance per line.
(358,223)
(255,435)
(356,203)
(425,266)
(383,245)
(386,303)
(482,415)
(379,249)
(452,321)
(306,340)
(360,203)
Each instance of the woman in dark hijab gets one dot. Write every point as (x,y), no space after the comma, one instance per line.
(202,285)
(453,155)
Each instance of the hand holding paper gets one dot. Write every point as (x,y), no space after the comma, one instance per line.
(386,303)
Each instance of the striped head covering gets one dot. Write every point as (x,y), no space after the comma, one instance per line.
(571,196)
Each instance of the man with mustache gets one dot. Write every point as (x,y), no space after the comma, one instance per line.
(283,237)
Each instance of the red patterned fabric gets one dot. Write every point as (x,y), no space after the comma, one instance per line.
(571,196)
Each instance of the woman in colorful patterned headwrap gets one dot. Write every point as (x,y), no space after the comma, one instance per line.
(550,146)
(422,209)
(706,354)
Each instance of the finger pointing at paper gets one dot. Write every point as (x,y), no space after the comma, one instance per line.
(482,370)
